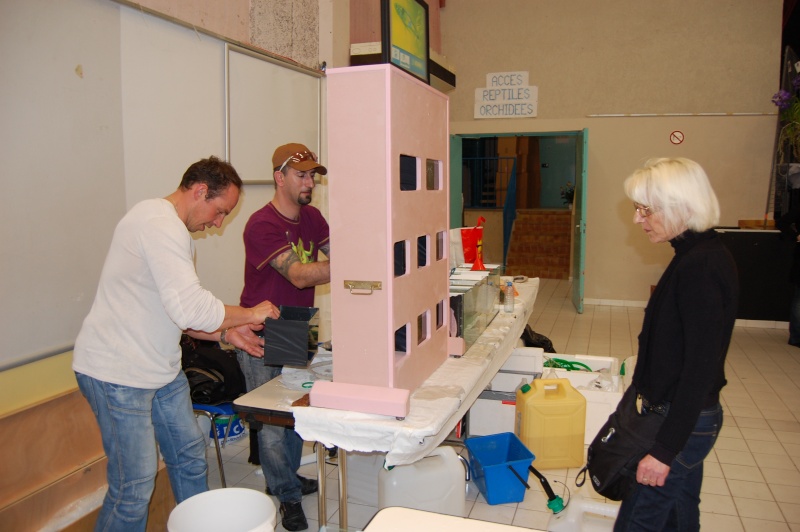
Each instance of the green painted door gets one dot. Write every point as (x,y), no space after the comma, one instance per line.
(579,229)
(456,197)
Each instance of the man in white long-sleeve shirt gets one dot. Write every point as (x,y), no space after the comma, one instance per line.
(127,357)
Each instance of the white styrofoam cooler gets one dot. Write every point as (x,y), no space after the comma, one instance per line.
(492,413)
(494,410)
(599,403)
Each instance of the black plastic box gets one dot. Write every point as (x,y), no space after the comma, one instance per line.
(286,339)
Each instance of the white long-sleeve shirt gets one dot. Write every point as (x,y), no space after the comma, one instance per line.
(148,295)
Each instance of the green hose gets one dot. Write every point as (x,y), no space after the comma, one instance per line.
(569,365)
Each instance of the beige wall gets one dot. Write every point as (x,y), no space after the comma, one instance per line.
(625,56)
(619,56)
(230,18)
(290,28)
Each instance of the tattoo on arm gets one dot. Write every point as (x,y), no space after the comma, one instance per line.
(283,262)
(326,249)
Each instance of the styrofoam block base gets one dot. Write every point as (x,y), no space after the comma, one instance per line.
(360,398)
(456,346)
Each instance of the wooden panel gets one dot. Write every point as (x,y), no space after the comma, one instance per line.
(61,466)
(365,21)
(160,507)
(55,438)
(40,508)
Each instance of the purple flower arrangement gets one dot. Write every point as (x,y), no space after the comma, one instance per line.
(789,105)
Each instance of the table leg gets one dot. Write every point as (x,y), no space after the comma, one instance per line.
(342,461)
(322,515)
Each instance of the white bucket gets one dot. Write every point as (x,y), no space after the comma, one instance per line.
(228,509)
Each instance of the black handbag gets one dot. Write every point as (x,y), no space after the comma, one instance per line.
(613,456)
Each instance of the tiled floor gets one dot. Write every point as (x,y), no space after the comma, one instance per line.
(752,477)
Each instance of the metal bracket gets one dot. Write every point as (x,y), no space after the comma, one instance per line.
(362,285)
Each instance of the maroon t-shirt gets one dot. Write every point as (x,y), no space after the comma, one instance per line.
(268,234)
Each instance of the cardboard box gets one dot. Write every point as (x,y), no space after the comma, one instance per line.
(286,339)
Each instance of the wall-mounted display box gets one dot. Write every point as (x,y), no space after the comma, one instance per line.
(388,142)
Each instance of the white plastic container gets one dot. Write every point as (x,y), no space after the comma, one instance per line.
(584,515)
(228,509)
(362,477)
(437,483)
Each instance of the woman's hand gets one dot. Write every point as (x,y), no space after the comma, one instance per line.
(245,339)
(651,472)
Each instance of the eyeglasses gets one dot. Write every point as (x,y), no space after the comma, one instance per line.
(299,157)
(643,211)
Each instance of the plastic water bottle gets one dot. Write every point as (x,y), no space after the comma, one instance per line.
(508,303)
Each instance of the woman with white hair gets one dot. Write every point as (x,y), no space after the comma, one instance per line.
(687,328)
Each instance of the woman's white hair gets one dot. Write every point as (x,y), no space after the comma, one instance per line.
(679,190)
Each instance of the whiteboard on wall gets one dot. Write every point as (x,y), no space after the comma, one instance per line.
(104,106)
(62,177)
(269,105)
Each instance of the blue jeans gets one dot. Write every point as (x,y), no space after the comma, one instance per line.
(794,318)
(279,448)
(131,421)
(676,505)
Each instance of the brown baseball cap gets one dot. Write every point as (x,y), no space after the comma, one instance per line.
(298,157)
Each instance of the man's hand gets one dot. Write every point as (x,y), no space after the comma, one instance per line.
(264,310)
(245,339)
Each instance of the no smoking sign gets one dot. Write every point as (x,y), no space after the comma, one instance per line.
(676,137)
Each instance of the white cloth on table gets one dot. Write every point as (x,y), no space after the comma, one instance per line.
(432,404)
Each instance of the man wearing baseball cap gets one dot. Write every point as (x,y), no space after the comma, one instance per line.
(282,241)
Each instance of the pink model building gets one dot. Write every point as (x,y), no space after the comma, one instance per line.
(388,160)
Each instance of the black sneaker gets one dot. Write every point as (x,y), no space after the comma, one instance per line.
(292,516)
(307,486)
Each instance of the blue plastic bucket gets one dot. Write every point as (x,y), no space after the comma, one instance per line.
(492,459)
(237,432)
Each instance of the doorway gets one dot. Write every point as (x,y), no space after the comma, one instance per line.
(525,185)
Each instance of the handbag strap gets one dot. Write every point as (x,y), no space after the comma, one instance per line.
(580,478)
